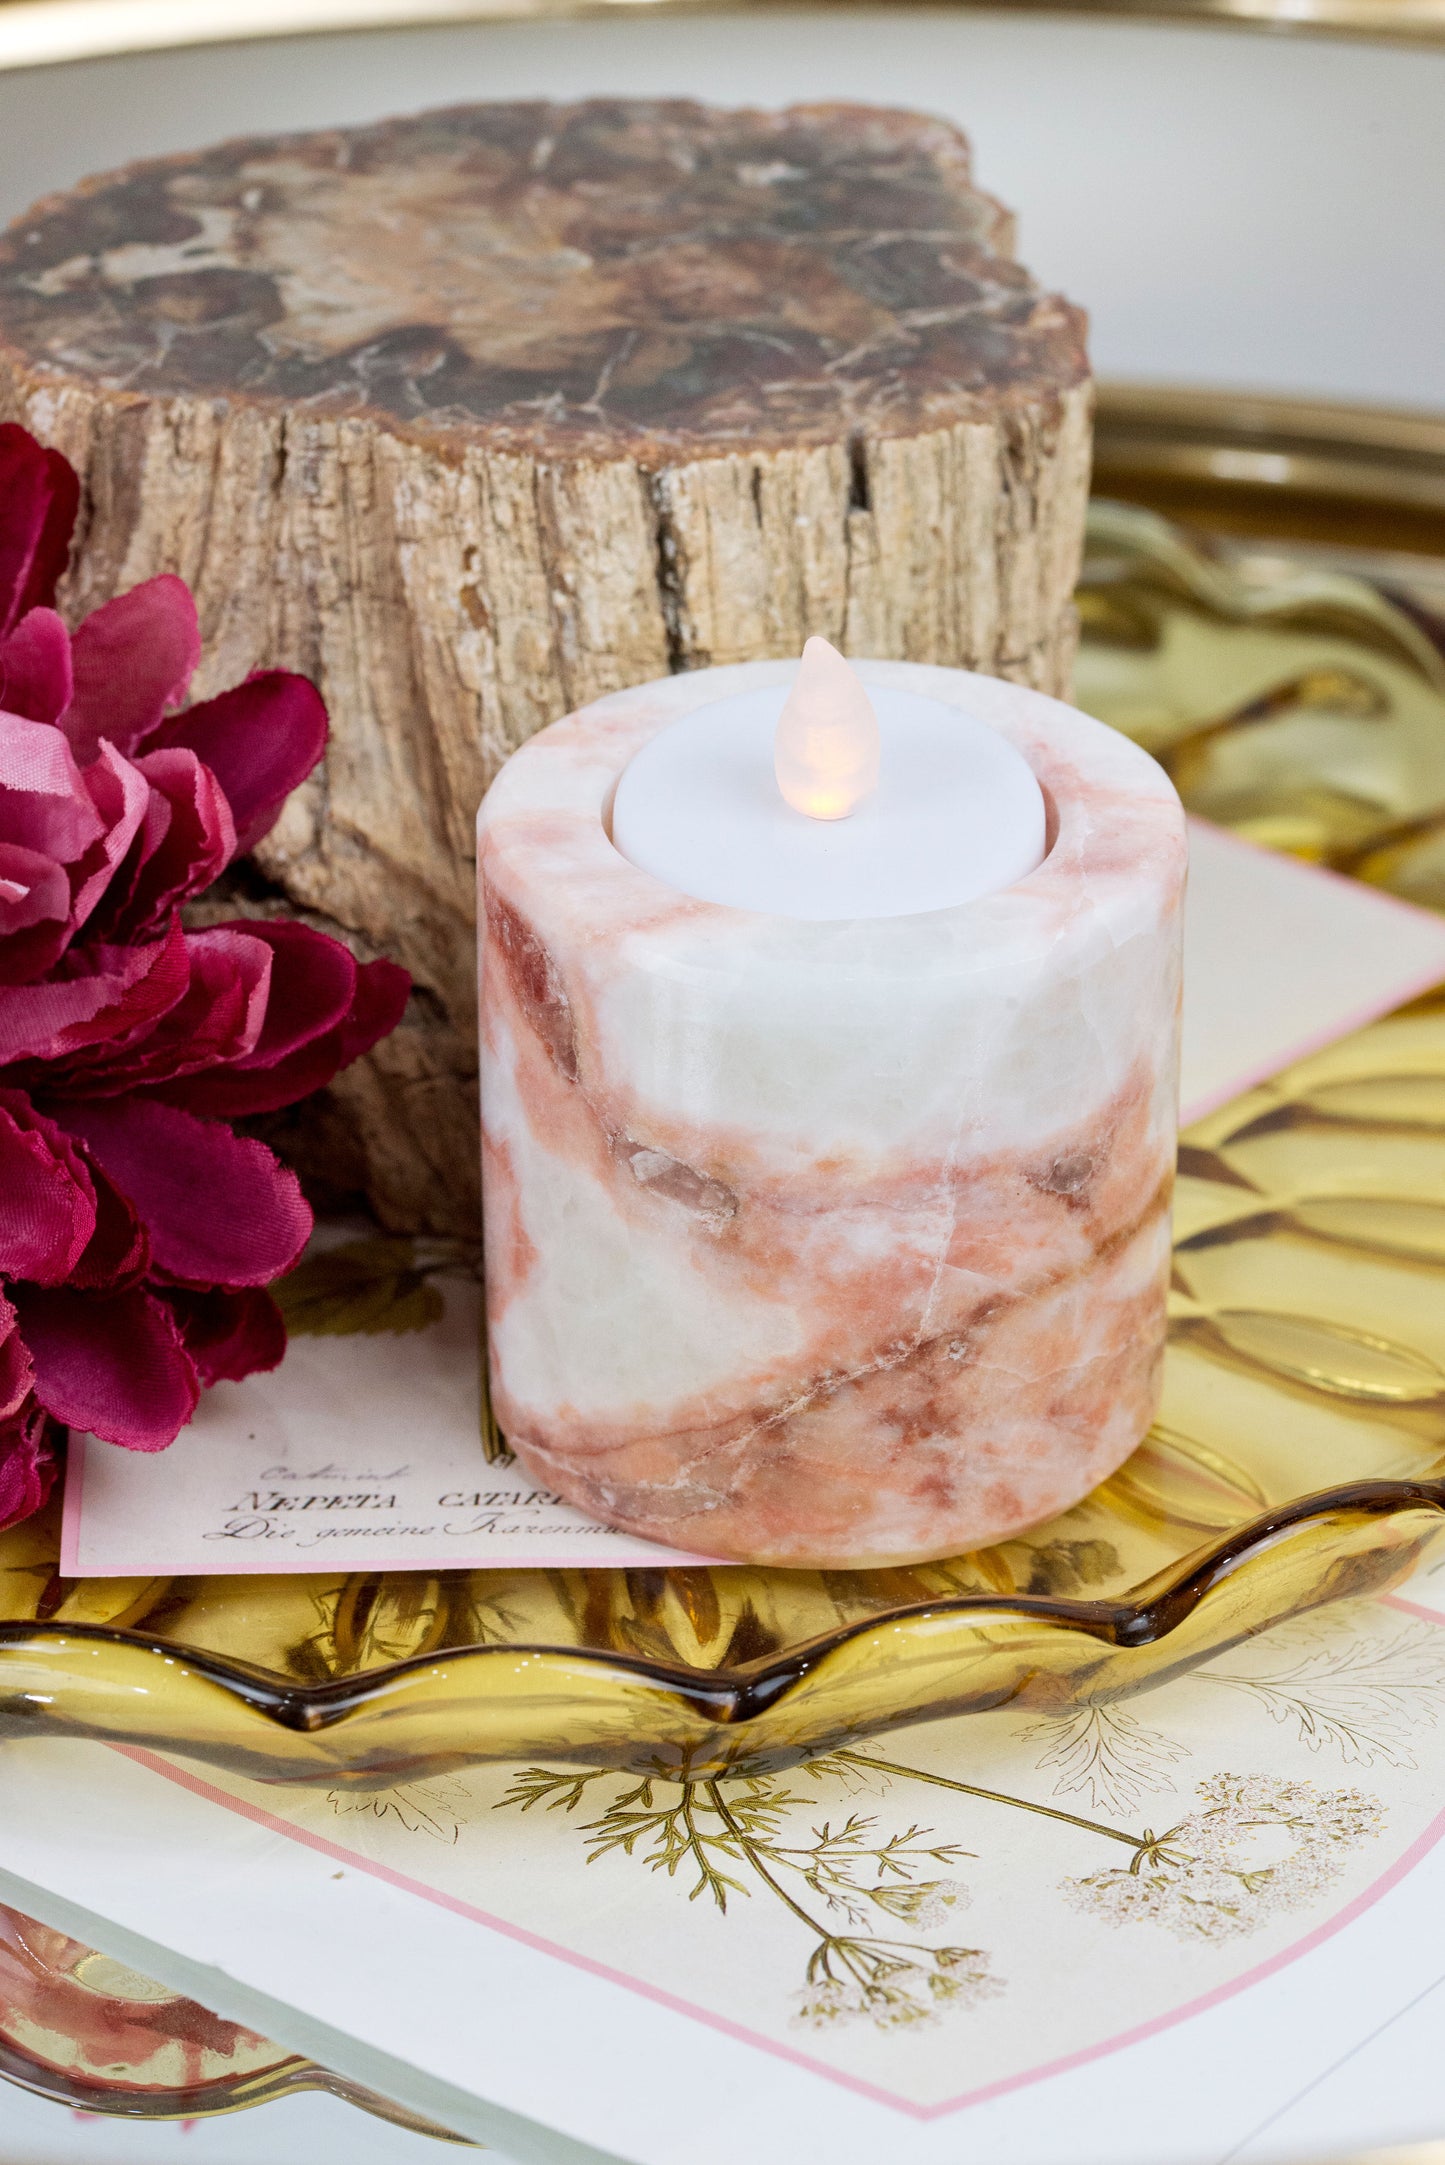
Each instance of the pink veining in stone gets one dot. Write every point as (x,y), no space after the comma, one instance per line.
(831,1244)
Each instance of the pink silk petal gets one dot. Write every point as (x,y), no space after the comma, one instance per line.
(47,1200)
(313,983)
(121,796)
(197,841)
(218,1019)
(132,658)
(230,1335)
(109,1363)
(16,1373)
(35,672)
(234,969)
(218,1208)
(40,492)
(234,1093)
(117,1255)
(154,825)
(44,803)
(27,1466)
(249,1086)
(382,991)
(260,740)
(33,887)
(34,914)
(106,995)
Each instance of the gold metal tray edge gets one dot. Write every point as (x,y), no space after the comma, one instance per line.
(49,33)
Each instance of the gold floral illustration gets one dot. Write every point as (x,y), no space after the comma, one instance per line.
(879,1918)
(1105,1754)
(1254,1845)
(1362,1699)
(846,1885)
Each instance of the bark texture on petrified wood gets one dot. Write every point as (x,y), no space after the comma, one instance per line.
(476,416)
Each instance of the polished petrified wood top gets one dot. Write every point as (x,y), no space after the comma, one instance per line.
(571,275)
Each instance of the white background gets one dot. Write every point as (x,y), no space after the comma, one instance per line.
(1233,207)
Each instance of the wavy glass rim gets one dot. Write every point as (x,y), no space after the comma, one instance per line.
(50,33)
(733,1696)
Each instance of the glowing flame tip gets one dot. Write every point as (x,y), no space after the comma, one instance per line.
(826,750)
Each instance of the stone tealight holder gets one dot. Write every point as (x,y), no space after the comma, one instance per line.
(827,1243)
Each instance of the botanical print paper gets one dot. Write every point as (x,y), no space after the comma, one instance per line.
(942,1914)
(363,1450)
(1280,957)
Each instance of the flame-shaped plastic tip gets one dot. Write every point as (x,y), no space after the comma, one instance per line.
(826,750)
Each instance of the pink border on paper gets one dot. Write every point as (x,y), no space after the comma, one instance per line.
(258,1816)
(70,1512)
(1414,1608)
(1392,996)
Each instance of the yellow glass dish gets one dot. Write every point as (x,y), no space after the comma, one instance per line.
(1300,1456)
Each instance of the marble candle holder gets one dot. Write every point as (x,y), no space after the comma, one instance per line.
(827,1243)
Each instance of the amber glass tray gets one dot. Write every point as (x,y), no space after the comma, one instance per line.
(1300,1456)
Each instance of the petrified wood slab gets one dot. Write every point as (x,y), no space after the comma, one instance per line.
(476,416)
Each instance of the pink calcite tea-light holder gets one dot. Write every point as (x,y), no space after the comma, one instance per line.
(839,1243)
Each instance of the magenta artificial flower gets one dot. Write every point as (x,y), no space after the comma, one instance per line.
(138,1231)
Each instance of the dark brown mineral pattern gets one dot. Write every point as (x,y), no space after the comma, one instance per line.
(586,277)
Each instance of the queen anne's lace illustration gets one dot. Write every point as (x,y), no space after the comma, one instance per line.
(891,1990)
(1253,1846)
(1256,1846)
(927,1906)
(847,1883)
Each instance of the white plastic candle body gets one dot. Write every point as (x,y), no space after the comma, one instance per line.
(956,813)
(841,1242)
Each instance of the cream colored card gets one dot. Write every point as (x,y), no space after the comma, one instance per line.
(1281,958)
(358,1453)
(365,1452)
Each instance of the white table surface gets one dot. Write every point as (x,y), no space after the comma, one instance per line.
(1342,2106)
(294,2131)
